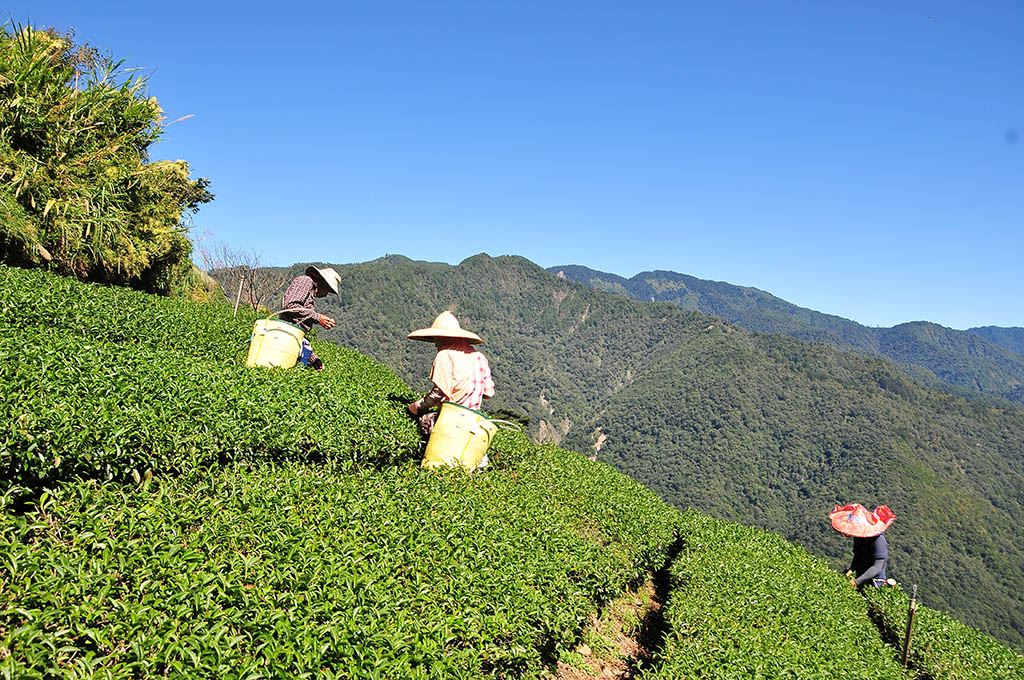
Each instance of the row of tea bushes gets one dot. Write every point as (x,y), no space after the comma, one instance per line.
(91,389)
(941,647)
(745,603)
(36,298)
(98,408)
(286,570)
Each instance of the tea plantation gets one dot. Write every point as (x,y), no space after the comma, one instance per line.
(167,512)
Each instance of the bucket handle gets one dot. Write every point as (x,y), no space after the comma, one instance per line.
(508,425)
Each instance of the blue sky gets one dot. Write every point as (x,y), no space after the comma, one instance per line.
(864,159)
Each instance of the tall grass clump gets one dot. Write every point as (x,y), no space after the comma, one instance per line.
(76,181)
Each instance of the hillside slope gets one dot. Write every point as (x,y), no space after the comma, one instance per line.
(973,362)
(168,513)
(1010,338)
(761,429)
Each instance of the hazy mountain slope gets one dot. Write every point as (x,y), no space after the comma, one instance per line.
(938,356)
(761,428)
(751,308)
(958,358)
(1010,338)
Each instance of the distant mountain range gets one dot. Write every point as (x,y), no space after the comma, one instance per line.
(985,361)
(1010,338)
(758,428)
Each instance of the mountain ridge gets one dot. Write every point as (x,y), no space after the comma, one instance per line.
(984,362)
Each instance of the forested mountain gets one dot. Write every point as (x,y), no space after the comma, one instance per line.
(1010,338)
(763,429)
(985,361)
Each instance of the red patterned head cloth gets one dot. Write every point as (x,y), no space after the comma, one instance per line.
(859,522)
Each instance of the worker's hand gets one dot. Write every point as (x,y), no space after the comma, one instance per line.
(327,322)
(414,408)
(853,582)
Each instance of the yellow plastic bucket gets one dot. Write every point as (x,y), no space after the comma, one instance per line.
(460,436)
(275,344)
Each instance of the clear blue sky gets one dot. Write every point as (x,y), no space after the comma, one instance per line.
(864,159)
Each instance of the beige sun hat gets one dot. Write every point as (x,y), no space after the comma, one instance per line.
(330,277)
(444,326)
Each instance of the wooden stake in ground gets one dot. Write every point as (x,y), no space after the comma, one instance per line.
(910,625)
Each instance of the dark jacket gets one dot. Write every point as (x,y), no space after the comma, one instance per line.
(870,556)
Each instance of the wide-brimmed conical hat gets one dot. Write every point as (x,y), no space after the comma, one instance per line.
(444,326)
(330,277)
(857,521)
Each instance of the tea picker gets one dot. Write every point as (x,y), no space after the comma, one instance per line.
(459,433)
(283,343)
(870,549)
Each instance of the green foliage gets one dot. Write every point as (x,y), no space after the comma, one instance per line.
(941,647)
(746,604)
(76,186)
(167,512)
(511,416)
(110,382)
(760,429)
(1010,338)
(292,570)
(244,535)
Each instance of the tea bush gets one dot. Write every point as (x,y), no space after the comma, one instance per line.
(193,517)
(190,517)
(942,648)
(745,603)
(287,571)
(108,382)
(38,299)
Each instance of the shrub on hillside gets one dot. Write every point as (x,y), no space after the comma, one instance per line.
(75,176)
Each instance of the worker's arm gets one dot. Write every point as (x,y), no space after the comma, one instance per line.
(874,570)
(434,397)
(488,380)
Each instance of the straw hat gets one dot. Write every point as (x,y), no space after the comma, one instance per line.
(330,277)
(857,521)
(444,326)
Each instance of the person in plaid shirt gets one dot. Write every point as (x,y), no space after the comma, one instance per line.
(459,374)
(298,302)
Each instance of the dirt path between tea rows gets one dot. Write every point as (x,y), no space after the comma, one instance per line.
(621,639)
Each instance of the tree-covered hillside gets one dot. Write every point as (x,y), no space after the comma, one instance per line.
(978,362)
(756,428)
(1010,338)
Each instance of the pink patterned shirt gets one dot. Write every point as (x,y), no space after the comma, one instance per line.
(463,374)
